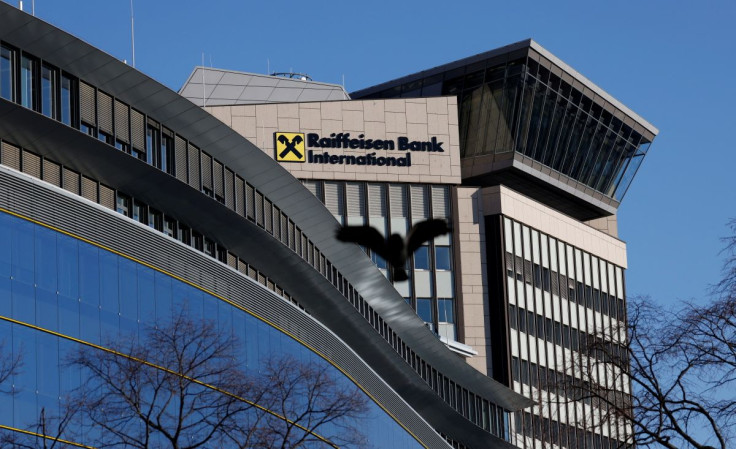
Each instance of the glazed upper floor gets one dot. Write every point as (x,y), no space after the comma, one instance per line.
(530,121)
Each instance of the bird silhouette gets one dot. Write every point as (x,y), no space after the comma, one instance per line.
(395,249)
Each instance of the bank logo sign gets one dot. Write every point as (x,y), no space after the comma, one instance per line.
(290,147)
(310,148)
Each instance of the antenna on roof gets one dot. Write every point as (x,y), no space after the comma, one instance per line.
(132,34)
(268,66)
(343,81)
(204,100)
(33,7)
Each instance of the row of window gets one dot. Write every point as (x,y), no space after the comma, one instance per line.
(560,273)
(392,208)
(563,435)
(102,116)
(551,281)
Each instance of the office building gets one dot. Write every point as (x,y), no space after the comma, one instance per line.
(122,203)
(228,195)
(534,162)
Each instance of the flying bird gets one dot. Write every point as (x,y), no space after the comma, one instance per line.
(395,250)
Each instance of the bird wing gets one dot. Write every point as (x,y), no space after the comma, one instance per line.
(365,236)
(425,231)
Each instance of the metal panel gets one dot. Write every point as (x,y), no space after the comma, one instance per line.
(217,179)
(239,196)
(229,193)
(267,216)
(31,164)
(70,180)
(137,130)
(335,198)
(419,203)
(206,160)
(104,112)
(397,201)
(377,200)
(250,201)
(122,121)
(89,188)
(180,158)
(193,159)
(107,197)
(87,103)
(355,199)
(440,202)
(52,172)
(10,155)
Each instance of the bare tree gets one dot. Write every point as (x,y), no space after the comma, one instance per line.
(305,399)
(180,386)
(680,363)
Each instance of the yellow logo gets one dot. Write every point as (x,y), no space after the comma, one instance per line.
(290,147)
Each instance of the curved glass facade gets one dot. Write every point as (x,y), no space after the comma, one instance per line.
(58,293)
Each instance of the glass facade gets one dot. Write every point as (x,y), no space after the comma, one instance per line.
(558,297)
(529,107)
(58,293)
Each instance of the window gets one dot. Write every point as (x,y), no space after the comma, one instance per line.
(424,310)
(378,260)
(87,129)
(140,212)
(49,88)
(68,96)
(421,258)
(104,137)
(122,204)
(167,152)
(27,78)
(442,257)
(153,145)
(446,318)
(7,58)
(156,220)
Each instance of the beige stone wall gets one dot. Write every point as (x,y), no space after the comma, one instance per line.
(415,118)
(502,200)
(609,225)
(470,261)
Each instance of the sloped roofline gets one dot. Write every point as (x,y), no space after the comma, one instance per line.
(521,45)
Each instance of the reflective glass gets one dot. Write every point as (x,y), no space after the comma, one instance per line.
(48,91)
(442,257)
(421,258)
(424,309)
(27,74)
(67,96)
(101,296)
(6,73)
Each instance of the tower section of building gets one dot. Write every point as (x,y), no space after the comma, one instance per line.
(546,158)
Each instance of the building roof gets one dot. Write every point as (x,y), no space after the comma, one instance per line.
(505,50)
(208,86)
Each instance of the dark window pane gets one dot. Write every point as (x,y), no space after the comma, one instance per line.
(27,73)
(49,86)
(6,73)
(421,258)
(442,257)
(424,309)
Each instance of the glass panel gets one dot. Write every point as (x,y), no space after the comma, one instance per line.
(421,258)
(424,310)
(442,257)
(27,72)
(6,73)
(48,91)
(67,99)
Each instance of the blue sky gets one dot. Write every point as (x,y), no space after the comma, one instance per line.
(672,62)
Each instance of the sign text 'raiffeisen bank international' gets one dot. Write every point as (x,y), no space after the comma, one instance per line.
(296,147)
